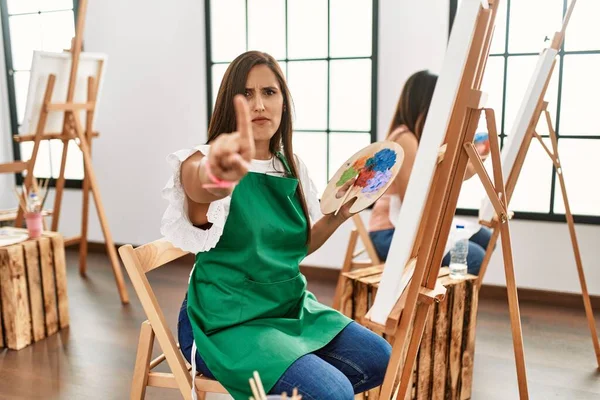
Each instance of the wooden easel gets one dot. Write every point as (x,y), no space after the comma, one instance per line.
(407,319)
(73,130)
(541,111)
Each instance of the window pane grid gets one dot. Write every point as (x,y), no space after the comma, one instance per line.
(331,130)
(40,12)
(306,59)
(327,50)
(562,94)
(561,52)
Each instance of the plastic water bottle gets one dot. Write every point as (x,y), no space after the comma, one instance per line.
(458,254)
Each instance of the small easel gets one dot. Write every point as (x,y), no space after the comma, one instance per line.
(73,130)
(406,322)
(542,111)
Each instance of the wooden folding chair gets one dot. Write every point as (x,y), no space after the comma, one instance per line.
(138,262)
(350,262)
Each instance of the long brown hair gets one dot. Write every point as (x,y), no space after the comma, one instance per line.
(223,117)
(414,102)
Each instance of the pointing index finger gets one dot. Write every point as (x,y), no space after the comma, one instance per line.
(242,116)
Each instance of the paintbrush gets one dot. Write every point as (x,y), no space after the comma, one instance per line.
(255,392)
(22,203)
(259,385)
(45,194)
(25,195)
(350,189)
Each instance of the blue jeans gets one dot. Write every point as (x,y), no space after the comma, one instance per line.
(478,244)
(353,362)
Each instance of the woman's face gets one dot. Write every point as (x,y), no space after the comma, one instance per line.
(265,100)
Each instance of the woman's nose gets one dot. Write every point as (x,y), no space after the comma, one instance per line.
(259,105)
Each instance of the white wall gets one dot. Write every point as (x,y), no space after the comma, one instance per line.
(412,36)
(154,102)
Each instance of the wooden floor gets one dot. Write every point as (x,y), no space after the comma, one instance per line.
(93,359)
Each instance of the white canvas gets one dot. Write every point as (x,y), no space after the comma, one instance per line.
(510,150)
(392,281)
(59,64)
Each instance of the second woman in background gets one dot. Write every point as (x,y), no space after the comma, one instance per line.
(406,130)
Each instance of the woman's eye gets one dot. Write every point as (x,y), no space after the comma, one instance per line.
(269,92)
(248,93)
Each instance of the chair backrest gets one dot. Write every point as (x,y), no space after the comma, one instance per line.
(360,231)
(138,262)
(363,233)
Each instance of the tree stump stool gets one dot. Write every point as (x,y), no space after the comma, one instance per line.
(444,367)
(33,290)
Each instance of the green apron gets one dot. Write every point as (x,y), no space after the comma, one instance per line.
(247,300)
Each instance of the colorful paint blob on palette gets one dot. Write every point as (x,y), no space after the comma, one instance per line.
(370,173)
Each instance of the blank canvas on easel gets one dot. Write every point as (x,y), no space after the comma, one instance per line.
(43,64)
(538,81)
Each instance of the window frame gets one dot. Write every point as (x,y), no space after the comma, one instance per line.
(549,216)
(328,59)
(10,84)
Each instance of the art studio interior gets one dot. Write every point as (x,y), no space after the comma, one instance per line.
(299,199)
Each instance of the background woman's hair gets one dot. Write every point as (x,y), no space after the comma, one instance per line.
(413,104)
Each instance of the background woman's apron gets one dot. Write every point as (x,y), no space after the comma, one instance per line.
(247,300)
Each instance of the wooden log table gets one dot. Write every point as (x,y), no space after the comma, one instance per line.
(33,290)
(444,367)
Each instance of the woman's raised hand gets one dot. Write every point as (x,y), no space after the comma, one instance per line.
(230,154)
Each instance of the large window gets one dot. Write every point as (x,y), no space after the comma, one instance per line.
(523,28)
(327,49)
(29,25)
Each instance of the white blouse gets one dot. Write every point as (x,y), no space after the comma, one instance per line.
(176,226)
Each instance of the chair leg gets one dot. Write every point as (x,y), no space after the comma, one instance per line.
(142,362)
(339,290)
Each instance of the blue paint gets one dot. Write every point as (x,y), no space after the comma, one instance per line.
(382,160)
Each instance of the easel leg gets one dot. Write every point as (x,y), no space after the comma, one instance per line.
(110,246)
(509,270)
(513,308)
(396,360)
(60,186)
(83,243)
(497,194)
(589,312)
(85,206)
(488,254)
(339,290)
(36,144)
(413,349)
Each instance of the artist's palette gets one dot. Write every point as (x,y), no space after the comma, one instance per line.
(364,176)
